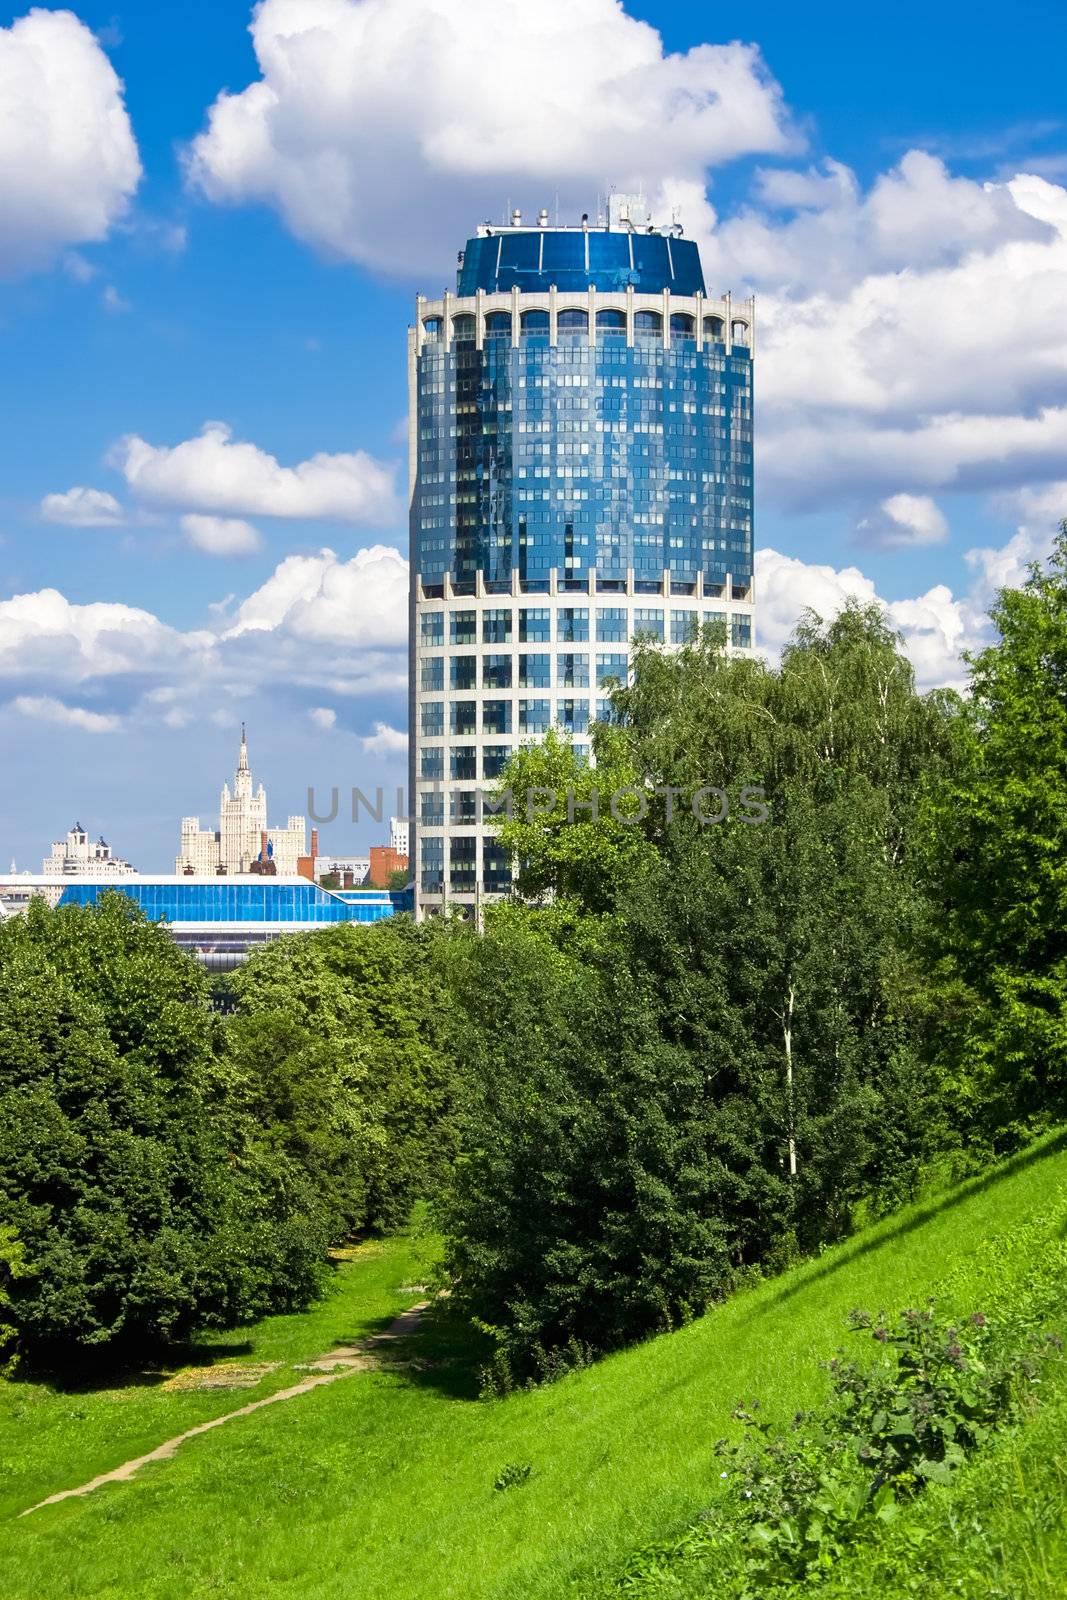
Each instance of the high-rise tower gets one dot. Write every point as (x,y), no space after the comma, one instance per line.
(581,471)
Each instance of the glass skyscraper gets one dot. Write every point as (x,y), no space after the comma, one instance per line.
(581,471)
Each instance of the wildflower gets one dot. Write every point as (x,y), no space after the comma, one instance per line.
(978,1319)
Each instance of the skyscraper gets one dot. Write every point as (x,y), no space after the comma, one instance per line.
(581,471)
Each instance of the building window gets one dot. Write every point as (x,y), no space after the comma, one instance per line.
(648,324)
(498,325)
(464,672)
(463,859)
(433,764)
(496,626)
(496,868)
(432,853)
(464,767)
(463,327)
(572,671)
(683,626)
(464,627)
(433,675)
(535,671)
(432,628)
(432,810)
(573,625)
(464,716)
(534,716)
(433,719)
(463,806)
(573,321)
(535,625)
(494,760)
(741,631)
(611,324)
(611,666)
(574,715)
(611,626)
(496,716)
(496,672)
(647,620)
(718,621)
(534,325)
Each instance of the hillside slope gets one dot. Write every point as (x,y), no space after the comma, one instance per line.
(383,1485)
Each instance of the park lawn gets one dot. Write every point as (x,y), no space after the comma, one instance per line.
(382,1484)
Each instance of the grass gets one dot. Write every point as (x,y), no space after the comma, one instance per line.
(382,1485)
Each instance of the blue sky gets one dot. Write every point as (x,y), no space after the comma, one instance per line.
(852,166)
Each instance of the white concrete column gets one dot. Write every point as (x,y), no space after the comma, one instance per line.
(553,323)
(592,315)
(447,320)
(666,319)
(630,314)
(516,317)
(700,320)
(728,331)
(479,319)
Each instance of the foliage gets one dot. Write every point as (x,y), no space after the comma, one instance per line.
(108,1173)
(336,1054)
(513,1475)
(698,1047)
(999,868)
(797,1500)
(162,1170)
(621,1453)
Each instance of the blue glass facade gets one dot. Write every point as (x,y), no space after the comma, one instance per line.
(208,902)
(537,458)
(580,258)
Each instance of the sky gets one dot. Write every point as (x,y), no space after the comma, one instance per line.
(213,223)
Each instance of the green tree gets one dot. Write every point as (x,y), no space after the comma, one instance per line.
(336,1049)
(143,1206)
(1000,867)
(710,1028)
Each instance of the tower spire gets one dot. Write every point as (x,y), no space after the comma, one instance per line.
(242,762)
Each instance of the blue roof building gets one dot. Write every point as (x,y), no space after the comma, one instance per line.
(218,920)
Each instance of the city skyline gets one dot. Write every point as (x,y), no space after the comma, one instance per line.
(202,502)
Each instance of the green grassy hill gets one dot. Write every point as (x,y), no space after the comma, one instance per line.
(382,1484)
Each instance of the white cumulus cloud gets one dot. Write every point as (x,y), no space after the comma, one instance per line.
(374,126)
(82,508)
(43,708)
(385,741)
(68,159)
(214,473)
(323,718)
(904,519)
(221,536)
(322,598)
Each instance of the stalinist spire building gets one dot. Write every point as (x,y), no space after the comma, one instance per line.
(242,832)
